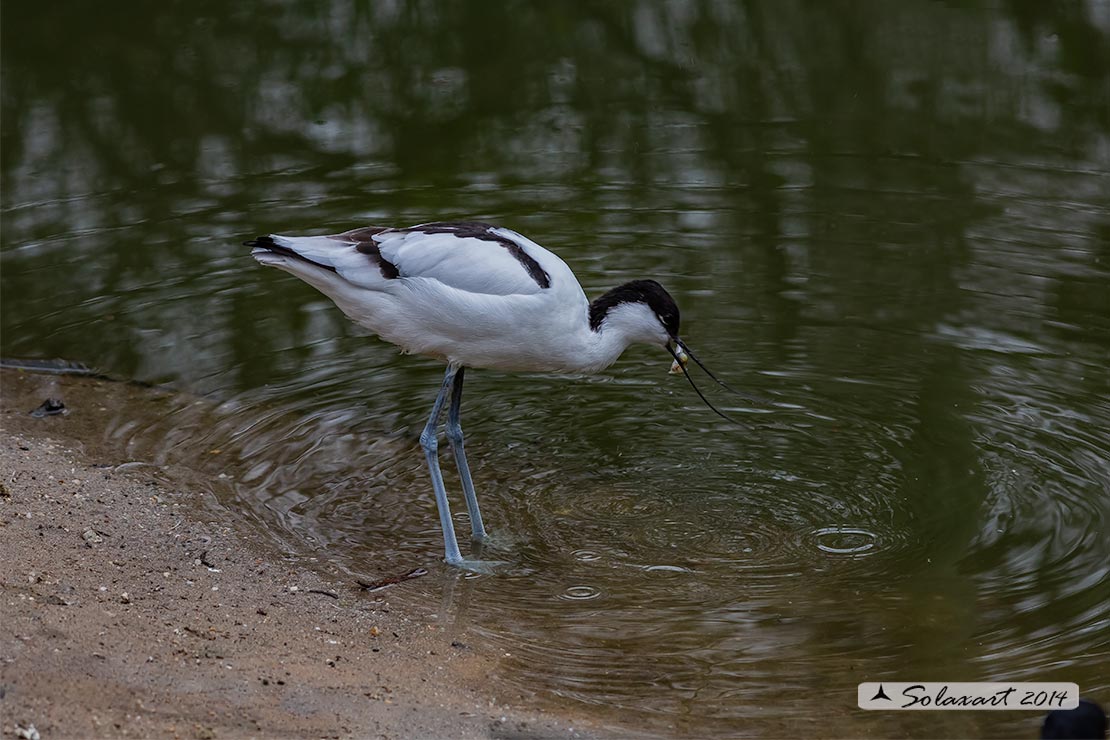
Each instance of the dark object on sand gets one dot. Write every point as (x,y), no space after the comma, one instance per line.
(52,367)
(49,407)
(1085,722)
(393,580)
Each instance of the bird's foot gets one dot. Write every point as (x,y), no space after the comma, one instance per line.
(496,540)
(474,565)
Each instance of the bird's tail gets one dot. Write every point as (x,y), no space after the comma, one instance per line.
(320,251)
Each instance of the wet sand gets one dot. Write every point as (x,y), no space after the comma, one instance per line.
(127,610)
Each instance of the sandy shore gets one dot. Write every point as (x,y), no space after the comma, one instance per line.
(126,610)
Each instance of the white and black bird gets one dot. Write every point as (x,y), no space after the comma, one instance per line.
(476,295)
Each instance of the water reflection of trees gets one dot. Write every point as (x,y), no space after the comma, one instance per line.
(158,133)
(162,95)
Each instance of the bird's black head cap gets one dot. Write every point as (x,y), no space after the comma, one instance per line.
(638,291)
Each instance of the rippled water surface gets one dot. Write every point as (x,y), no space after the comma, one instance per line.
(889,221)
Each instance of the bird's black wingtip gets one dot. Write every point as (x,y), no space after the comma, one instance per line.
(264,242)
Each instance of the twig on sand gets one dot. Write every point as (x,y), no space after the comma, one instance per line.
(392,580)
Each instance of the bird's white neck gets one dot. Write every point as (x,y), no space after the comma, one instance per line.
(623,325)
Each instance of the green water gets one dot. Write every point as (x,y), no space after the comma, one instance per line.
(891,220)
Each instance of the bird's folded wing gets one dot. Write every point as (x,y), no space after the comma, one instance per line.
(491,263)
(468,256)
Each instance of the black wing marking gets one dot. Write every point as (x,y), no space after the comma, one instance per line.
(484,231)
(363,239)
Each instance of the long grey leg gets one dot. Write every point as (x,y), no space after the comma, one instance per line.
(429,440)
(455,438)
